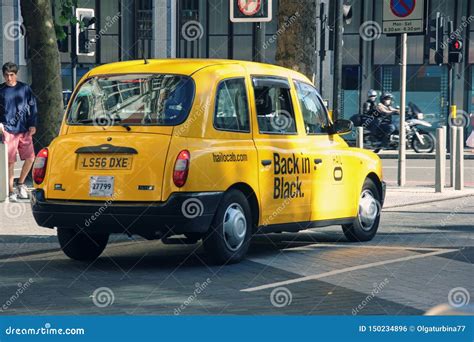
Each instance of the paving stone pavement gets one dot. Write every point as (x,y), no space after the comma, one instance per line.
(394,274)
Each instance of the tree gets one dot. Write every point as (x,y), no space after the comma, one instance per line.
(45,66)
(296,42)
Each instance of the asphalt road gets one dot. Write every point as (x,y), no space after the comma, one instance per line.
(421,254)
(422,172)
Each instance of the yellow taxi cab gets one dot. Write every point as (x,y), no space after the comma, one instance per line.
(215,150)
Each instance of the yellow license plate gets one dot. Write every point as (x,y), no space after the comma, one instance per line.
(95,162)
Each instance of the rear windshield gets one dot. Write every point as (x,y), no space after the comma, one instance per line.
(144,100)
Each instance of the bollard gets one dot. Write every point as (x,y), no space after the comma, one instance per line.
(440,172)
(453,154)
(3,172)
(360,137)
(459,177)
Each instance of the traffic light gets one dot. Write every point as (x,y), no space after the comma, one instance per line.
(455,51)
(85,32)
(242,11)
(436,38)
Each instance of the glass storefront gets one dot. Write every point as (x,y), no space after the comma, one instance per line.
(205,31)
(350,93)
(427,87)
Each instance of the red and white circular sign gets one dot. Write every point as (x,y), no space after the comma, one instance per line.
(249,7)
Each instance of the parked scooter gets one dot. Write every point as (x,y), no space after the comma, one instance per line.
(416,137)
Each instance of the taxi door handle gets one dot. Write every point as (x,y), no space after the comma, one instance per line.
(318,161)
(266,162)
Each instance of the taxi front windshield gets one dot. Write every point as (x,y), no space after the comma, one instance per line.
(143,100)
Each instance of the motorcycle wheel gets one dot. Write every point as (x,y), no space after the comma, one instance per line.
(429,143)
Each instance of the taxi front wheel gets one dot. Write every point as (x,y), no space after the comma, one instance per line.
(81,246)
(227,240)
(366,223)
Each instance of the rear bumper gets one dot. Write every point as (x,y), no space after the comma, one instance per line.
(181,213)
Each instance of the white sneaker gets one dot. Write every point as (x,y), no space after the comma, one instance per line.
(22,190)
(13,197)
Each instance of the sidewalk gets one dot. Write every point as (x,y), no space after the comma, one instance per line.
(400,197)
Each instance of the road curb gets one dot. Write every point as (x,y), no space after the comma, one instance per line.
(421,156)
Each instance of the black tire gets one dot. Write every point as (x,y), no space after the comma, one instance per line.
(356,231)
(428,146)
(216,241)
(81,246)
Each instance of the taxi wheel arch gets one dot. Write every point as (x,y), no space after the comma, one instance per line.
(80,245)
(252,199)
(235,211)
(372,176)
(365,226)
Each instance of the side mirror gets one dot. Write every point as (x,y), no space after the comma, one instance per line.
(342,126)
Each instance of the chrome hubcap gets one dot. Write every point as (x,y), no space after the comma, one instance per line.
(235,226)
(368,210)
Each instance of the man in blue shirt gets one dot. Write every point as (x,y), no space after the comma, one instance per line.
(18,116)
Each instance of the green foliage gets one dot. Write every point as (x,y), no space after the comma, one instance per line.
(66,17)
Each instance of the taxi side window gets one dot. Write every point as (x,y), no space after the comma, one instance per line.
(314,114)
(232,110)
(275,113)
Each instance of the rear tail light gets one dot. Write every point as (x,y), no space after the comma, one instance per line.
(181,168)
(39,168)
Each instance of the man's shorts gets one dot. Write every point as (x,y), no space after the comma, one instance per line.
(21,143)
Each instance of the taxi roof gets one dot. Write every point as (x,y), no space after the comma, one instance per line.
(187,67)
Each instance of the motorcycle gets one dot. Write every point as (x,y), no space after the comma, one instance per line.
(416,137)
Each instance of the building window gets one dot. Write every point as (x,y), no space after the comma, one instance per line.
(205,31)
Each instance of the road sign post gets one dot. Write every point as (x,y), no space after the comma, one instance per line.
(402,145)
(403,17)
(253,11)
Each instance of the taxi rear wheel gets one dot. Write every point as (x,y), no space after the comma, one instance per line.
(82,246)
(227,240)
(366,223)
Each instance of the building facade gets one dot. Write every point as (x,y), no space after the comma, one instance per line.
(130,29)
